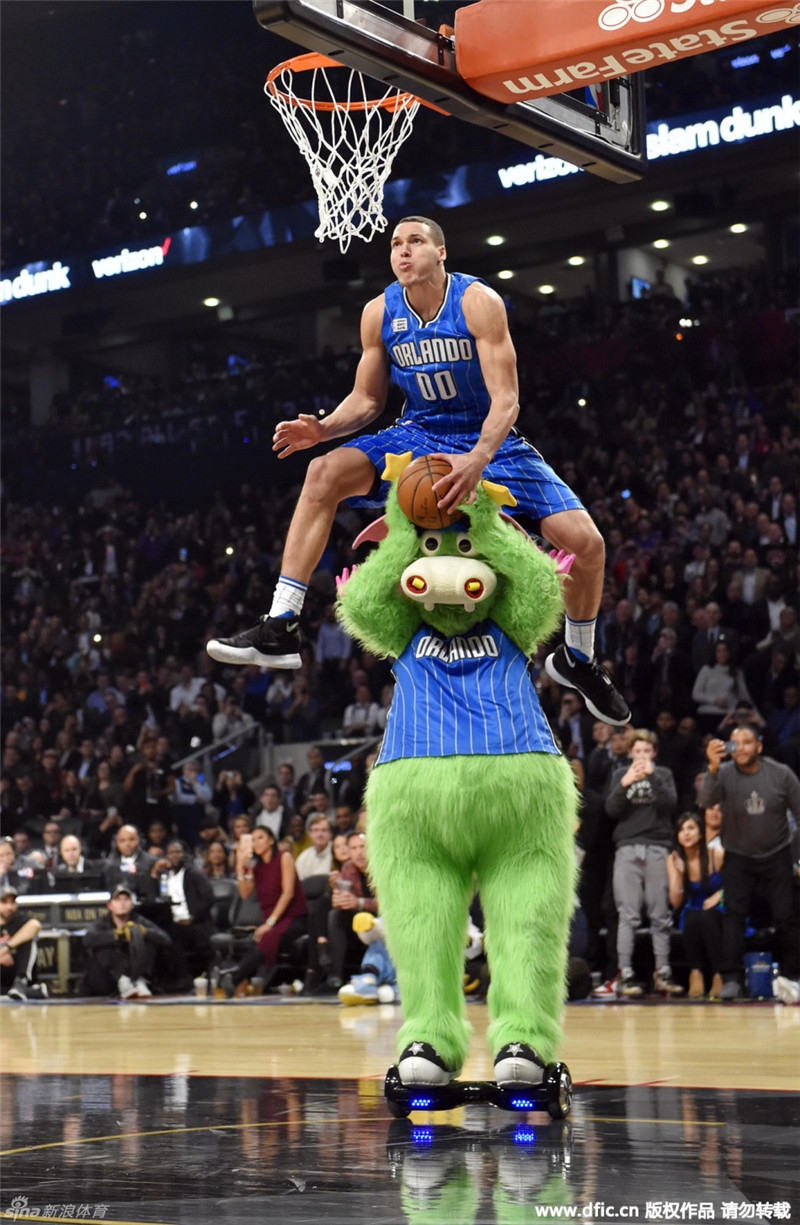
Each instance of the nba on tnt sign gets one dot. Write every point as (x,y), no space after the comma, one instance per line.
(515,52)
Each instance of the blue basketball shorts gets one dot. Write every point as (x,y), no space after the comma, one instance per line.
(517,465)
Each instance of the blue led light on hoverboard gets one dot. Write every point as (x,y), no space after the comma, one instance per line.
(523,1103)
(420,1103)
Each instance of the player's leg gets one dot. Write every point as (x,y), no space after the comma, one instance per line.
(275,641)
(565,524)
(574,663)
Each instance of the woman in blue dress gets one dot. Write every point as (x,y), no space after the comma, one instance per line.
(694,872)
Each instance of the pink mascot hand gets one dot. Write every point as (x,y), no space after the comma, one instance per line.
(342,578)
(563,561)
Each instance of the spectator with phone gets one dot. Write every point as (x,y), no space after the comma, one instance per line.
(270,873)
(756,795)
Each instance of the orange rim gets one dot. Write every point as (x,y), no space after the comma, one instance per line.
(307,63)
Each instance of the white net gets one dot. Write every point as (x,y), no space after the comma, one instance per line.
(348,139)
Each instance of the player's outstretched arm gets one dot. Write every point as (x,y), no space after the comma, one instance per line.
(363,404)
(370,606)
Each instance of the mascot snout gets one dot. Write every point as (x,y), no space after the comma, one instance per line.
(448,580)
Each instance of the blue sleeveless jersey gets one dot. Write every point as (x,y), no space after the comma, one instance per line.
(436,364)
(464,695)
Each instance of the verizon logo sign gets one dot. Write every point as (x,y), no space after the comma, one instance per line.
(130,261)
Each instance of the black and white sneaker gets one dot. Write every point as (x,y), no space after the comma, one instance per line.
(421,1064)
(592,682)
(273,643)
(518,1064)
(18,990)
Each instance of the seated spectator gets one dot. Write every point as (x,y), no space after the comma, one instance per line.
(312,781)
(694,873)
(301,713)
(232,796)
(131,866)
(18,950)
(210,831)
(718,688)
(297,840)
(189,923)
(270,873)
(351,894)
(641,800)
(215,861)
(51,838)
(121,950)
(74,864)
(271,811)
(317,859)
(361,717)
(189,801)
(241,827)
(148,786)
(230,718)
(784,724)
(22,878)
(157,837)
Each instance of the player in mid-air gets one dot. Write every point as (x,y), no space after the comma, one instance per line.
(443,338)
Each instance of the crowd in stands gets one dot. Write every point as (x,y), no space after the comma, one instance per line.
(682,442)
(175,130)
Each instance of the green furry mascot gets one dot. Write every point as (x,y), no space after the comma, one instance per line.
(469,789)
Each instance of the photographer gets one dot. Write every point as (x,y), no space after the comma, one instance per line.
(756,795)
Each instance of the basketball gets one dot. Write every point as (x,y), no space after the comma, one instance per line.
(415,493)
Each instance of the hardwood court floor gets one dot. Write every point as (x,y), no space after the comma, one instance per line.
(202,1112)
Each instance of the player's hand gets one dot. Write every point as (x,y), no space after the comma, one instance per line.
(467,470)
(298,435)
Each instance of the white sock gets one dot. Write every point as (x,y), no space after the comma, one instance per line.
(579,636)
(288,597)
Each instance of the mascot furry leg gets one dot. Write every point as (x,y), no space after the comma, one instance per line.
(431,842)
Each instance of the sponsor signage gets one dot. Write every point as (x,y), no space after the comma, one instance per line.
(722,126)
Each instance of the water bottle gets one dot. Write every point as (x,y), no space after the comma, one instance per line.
(163,887)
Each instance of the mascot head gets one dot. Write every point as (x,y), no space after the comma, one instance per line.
(483,567)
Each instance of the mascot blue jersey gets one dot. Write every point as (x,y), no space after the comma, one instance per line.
(464,695)
(436,364)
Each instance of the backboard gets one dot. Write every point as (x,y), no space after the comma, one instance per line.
(601,131)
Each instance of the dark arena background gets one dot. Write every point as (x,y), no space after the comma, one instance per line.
(164,304)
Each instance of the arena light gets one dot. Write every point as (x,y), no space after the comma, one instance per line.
(229,551)
(659,206)
(575,261)
(581,403)
(193,204)
(505,274)
(661,244)
(547,289)
(210,301)
(143,215)
(699,259)
(495,240)
(738,228)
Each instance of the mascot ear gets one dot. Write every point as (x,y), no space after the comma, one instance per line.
(395,465)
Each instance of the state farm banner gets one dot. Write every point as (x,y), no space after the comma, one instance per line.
(520,50)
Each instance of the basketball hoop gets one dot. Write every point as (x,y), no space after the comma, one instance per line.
(349,144)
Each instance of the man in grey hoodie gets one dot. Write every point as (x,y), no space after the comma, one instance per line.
(642,800)
(756,795)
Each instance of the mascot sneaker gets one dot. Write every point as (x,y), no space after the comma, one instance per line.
(518,1064)
(273,643)
(591,681)
(421,1064)
(362,989)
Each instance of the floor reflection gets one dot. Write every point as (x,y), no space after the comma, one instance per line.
(203,1149)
